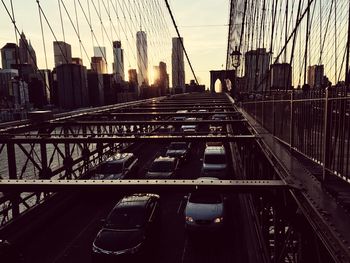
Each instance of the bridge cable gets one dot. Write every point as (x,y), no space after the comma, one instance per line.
(180,39)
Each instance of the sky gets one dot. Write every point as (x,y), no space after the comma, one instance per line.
(202,23)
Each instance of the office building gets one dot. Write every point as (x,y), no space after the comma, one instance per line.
(100,52)
(71,86)
(6,75)
(133,80)
(99,65)
(257,64)
(27,53)
(118,64)
(77,61)
(163,78)
(9,56)
(178,66)
(96,89)
(142,58)
(62,53)
(19,93)
(315,75)
(281,76)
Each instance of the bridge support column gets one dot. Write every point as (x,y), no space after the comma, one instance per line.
(12,168)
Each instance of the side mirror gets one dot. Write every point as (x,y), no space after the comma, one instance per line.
(102,222)
(185,197)
(201,159)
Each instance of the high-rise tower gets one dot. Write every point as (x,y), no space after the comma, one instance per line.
(118,65)
(142,58)
(178,66)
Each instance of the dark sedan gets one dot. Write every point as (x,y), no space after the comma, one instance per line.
(129,229)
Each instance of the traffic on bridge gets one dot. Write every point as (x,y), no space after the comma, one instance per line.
(157,132)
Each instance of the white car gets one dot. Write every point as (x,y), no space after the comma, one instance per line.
(204,211)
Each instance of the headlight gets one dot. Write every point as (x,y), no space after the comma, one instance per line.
(189,219)
(218,220)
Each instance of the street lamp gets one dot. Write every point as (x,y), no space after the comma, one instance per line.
(236,62)
(236,58)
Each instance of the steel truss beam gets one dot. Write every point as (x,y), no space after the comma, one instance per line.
(138,122)
(166,114)
(126,139)
(227,186)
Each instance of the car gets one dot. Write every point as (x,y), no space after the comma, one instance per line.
(163,168)
(182,111)
(215,129)
(129,230)
(179,118)
(179,150)
(118,166)
(214,162)
(204,211)
(219,117)
(166,129)
(189,128)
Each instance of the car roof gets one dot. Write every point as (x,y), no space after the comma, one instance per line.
(119,157)
(138,200)
(165,159)
(214,150)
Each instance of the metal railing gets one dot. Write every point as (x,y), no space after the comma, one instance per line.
(315,123)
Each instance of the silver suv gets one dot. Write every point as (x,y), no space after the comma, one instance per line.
(119,166)
(214,162)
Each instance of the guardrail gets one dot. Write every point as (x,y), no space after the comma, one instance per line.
(315,123)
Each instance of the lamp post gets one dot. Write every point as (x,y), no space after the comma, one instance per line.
(236,62)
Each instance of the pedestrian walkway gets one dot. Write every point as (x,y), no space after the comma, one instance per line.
(329,217)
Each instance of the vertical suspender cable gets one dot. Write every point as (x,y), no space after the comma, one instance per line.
(78,30)
(347,77)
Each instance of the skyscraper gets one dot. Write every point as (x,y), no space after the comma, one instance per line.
(27,53)
(9,56)
(178,66)
(142,58)
(281,76)
(257,63)
(100,52)
(99,60)
(315,76)
(118,65)
(72,90)
(98,65)
(62,52)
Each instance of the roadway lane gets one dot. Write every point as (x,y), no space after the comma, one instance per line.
(68,236)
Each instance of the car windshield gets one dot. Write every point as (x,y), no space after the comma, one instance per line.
(162,167)
(214,159)
(111,168)
(126,218)
(178,146)
(205,198)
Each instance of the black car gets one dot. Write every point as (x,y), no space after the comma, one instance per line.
(180,150)
(129,229)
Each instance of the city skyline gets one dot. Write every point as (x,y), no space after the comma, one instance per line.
(190,22)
